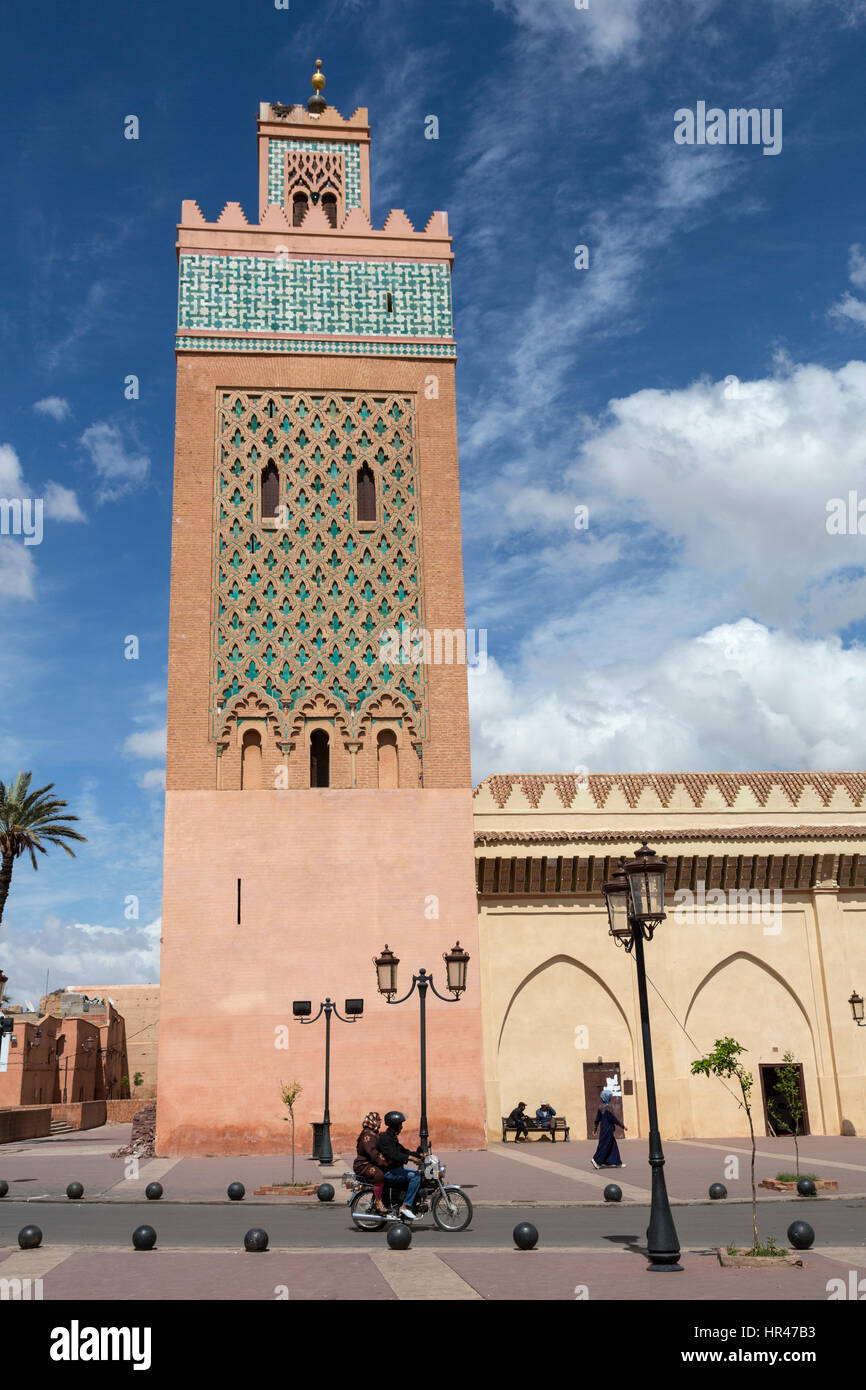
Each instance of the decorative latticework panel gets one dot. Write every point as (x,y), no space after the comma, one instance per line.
(300,606)
(316,171)
(281,166)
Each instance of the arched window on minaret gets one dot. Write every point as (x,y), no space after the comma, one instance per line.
(300,203)
(389,772)
(270,489)
(329,204)
(366,494)
(319,759)
(251,761)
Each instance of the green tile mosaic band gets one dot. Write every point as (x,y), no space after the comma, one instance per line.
(322,345)
(277,167)
(258,294)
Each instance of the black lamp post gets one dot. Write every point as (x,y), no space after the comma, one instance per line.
(856,1002)
(302,1008)
(635,897)
(456,960)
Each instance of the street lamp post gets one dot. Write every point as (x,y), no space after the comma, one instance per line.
(456,960)
(635,907)
(302,1008)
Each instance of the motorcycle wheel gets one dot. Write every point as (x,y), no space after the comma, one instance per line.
(362,1211)
(452,1209)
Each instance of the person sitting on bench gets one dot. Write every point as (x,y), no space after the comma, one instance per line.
(544,1116)
(520,1122)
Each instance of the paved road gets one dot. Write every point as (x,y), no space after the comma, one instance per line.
(836,1223)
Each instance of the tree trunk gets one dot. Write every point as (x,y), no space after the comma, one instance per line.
(754,1189)
(293,1148)
(5,879)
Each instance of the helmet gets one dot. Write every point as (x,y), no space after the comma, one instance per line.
(394,1119)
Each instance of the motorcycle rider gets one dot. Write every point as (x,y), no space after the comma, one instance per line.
(396,1157)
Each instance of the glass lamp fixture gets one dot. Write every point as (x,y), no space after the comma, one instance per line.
(456,960)
(386,972)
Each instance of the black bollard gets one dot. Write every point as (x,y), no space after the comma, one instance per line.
(75,1192)
(29,1237)
(717,1191)
(153,1191)
(143,1238)
(256,1241)
(236,1191)
(399,1236)
(525,1235)
(801,1235)
(612,1193)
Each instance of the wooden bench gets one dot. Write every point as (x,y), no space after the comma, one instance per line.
(558,1125)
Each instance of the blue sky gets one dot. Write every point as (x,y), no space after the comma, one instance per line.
(700,387)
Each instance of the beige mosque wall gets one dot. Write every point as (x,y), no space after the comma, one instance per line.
(558,993)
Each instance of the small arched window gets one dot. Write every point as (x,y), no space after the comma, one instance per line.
(329,204)
(389,773)
(251,761)
(366,494)
(300,203)
(270,489)
(319,759)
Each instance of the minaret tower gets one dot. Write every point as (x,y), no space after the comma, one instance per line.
(318,800)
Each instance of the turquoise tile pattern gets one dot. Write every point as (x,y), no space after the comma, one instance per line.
(185,343)
(303,608)
(277,170)
(266,294)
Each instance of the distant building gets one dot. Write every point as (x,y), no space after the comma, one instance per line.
(138,1006)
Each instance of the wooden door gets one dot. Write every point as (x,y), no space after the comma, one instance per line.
(769,1076)
(597,1075)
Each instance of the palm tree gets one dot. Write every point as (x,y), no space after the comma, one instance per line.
(29,821)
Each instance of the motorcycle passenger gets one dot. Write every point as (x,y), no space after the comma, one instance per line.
(371,1163)
(396,1158)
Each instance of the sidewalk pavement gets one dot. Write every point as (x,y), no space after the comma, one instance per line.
(382,1274)
(538,1171)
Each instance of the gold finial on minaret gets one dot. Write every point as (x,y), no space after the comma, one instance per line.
(316,104)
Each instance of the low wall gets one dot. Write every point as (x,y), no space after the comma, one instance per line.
(82,1114)
(120,1112)
(24,1122)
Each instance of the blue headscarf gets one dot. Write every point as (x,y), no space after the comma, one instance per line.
(606,1095)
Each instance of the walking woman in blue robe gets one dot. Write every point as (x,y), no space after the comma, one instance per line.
(607,1153)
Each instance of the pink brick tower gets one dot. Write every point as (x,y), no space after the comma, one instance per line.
(318,800)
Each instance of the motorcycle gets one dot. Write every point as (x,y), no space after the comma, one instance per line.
(451,1208)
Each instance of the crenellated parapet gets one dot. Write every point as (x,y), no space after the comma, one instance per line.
(313,275)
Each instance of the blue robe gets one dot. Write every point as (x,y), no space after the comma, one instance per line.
(607,1153)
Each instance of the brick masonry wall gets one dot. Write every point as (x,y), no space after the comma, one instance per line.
(88,1114)
(328,877)
(191,752)
(25,1122)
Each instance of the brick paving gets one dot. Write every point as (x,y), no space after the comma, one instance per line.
(537,1171)
(342,1274)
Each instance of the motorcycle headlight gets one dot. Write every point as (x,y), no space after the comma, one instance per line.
(441,1170)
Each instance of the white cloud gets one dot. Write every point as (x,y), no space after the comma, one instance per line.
(78,951)
(849,308)
(17,571)
(55,406)
(149,743)
(739,477)
(153,779)
(61,504)
(11,481)
(118,468)
(737,696)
